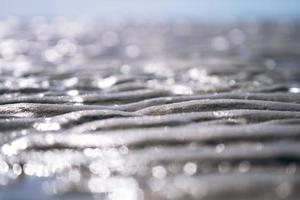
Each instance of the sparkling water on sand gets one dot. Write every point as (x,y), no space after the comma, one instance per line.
(130,110)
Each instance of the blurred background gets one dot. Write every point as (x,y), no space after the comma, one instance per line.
(165,9)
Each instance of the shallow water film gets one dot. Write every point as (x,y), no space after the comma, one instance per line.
(121,110)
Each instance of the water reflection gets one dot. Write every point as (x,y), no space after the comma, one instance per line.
(78,98)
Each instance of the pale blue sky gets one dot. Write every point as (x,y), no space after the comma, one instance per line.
(197,9)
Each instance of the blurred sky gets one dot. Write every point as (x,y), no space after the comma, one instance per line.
(194,9)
